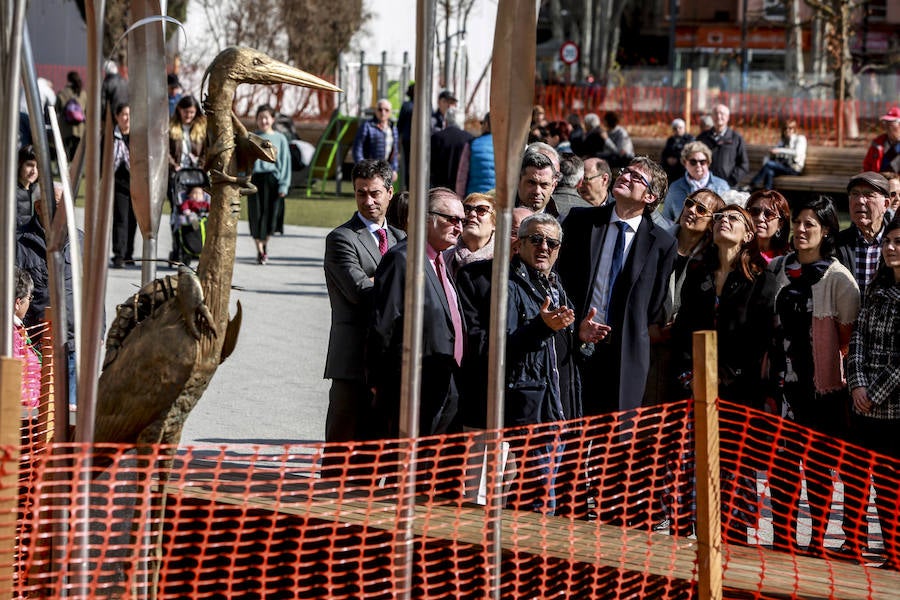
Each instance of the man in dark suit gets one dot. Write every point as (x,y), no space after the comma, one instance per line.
(352,253)
(615,259)
(729,153)
(619,365)
(443,332)
(447,148)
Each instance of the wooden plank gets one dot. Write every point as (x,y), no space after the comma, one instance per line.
(10,437)
(751,569)
(706,428)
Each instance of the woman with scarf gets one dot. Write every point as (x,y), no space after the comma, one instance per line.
(815,308)
(697,159)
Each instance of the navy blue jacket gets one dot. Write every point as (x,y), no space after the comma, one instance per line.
(371,142)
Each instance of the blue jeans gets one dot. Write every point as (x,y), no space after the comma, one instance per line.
(769,171)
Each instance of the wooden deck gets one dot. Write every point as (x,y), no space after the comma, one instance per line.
(747,569)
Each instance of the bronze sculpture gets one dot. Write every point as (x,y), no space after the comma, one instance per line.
(162,361)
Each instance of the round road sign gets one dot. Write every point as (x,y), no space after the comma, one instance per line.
(569,52)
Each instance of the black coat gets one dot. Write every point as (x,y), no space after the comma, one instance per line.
(384,347)
(674,145)
(531,396)
(743,318)
(31,256)
(447,148)
(614,378)
(473,284)
(23,206)
(729,155)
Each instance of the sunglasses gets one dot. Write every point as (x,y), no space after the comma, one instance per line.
(452,219)
(480,209)
(537,241)
(695,161)
(702,210)
(769,214)
(731,218)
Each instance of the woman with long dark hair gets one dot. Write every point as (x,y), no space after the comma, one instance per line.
(815,308)
(272,181)
(772,218)
(730,291)
(187,135)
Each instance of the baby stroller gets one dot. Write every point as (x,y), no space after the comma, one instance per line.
(189,215)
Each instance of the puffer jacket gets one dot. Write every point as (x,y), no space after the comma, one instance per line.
(481,165)
(531,396)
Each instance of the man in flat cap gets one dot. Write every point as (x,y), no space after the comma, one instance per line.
(859,246)
(446,99)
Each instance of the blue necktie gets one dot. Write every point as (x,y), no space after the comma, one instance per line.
(618,259)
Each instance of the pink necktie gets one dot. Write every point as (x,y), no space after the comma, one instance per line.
(455,317)
(382,241)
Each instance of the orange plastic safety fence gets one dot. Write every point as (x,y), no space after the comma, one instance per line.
(644,105)
(597,508)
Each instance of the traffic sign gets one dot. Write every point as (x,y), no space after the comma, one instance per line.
(569,52)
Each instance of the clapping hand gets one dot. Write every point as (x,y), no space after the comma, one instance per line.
(557,318)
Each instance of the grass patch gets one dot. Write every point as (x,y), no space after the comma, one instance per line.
(326,210)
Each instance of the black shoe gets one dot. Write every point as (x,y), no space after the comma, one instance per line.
(129,262)
(118,263)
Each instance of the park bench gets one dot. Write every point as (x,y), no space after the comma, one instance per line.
(827,170)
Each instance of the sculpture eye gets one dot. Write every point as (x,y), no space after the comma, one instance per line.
(257,62)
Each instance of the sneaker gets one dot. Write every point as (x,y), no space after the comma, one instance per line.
(663,525)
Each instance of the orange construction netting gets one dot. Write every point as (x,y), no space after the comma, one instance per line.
(596,508)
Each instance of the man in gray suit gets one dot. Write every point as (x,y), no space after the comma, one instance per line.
(352,252)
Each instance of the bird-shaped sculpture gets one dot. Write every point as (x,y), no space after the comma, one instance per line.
(161,361)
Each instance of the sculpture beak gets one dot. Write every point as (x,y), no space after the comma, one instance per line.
(279,72)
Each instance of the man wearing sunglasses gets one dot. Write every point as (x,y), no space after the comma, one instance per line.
(443,331)
(378,137)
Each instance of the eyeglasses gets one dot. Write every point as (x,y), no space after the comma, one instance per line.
(632,175)
(702,210)
(586,179)
(382,109)
(697,161)
(769,214)
(537,240)
(732,218)
(452,219)
(480,209)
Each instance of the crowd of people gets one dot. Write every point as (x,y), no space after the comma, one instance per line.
(616,261)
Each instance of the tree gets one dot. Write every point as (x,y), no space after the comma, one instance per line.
(837,16)
(308,34)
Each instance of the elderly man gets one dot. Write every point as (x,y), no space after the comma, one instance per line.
(537,181)
(884,151)
(729,153)
(443,331)
(352,253)
(378,138)
(859,246)
(594,187)
(541,376)
(566,196)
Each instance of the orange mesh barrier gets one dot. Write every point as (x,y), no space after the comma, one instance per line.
(643,105)
(580,500)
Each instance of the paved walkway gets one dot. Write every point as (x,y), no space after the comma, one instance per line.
(270,391)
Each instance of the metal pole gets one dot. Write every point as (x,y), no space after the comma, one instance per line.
(745,55)
(361,97)
(12,29)
(413,305)
(382,76)
(404,76)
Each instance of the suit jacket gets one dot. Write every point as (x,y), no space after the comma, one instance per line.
(351,257)
(473,284)
(446,150)
(439,396)
(616,377)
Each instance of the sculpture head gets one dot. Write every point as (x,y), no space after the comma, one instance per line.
(246,65)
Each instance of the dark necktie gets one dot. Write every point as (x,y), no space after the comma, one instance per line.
(618,258)
(382,241)
(455,316)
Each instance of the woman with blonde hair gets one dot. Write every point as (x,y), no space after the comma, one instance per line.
(477,239)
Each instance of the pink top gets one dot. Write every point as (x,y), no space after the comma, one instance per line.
(31,371)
